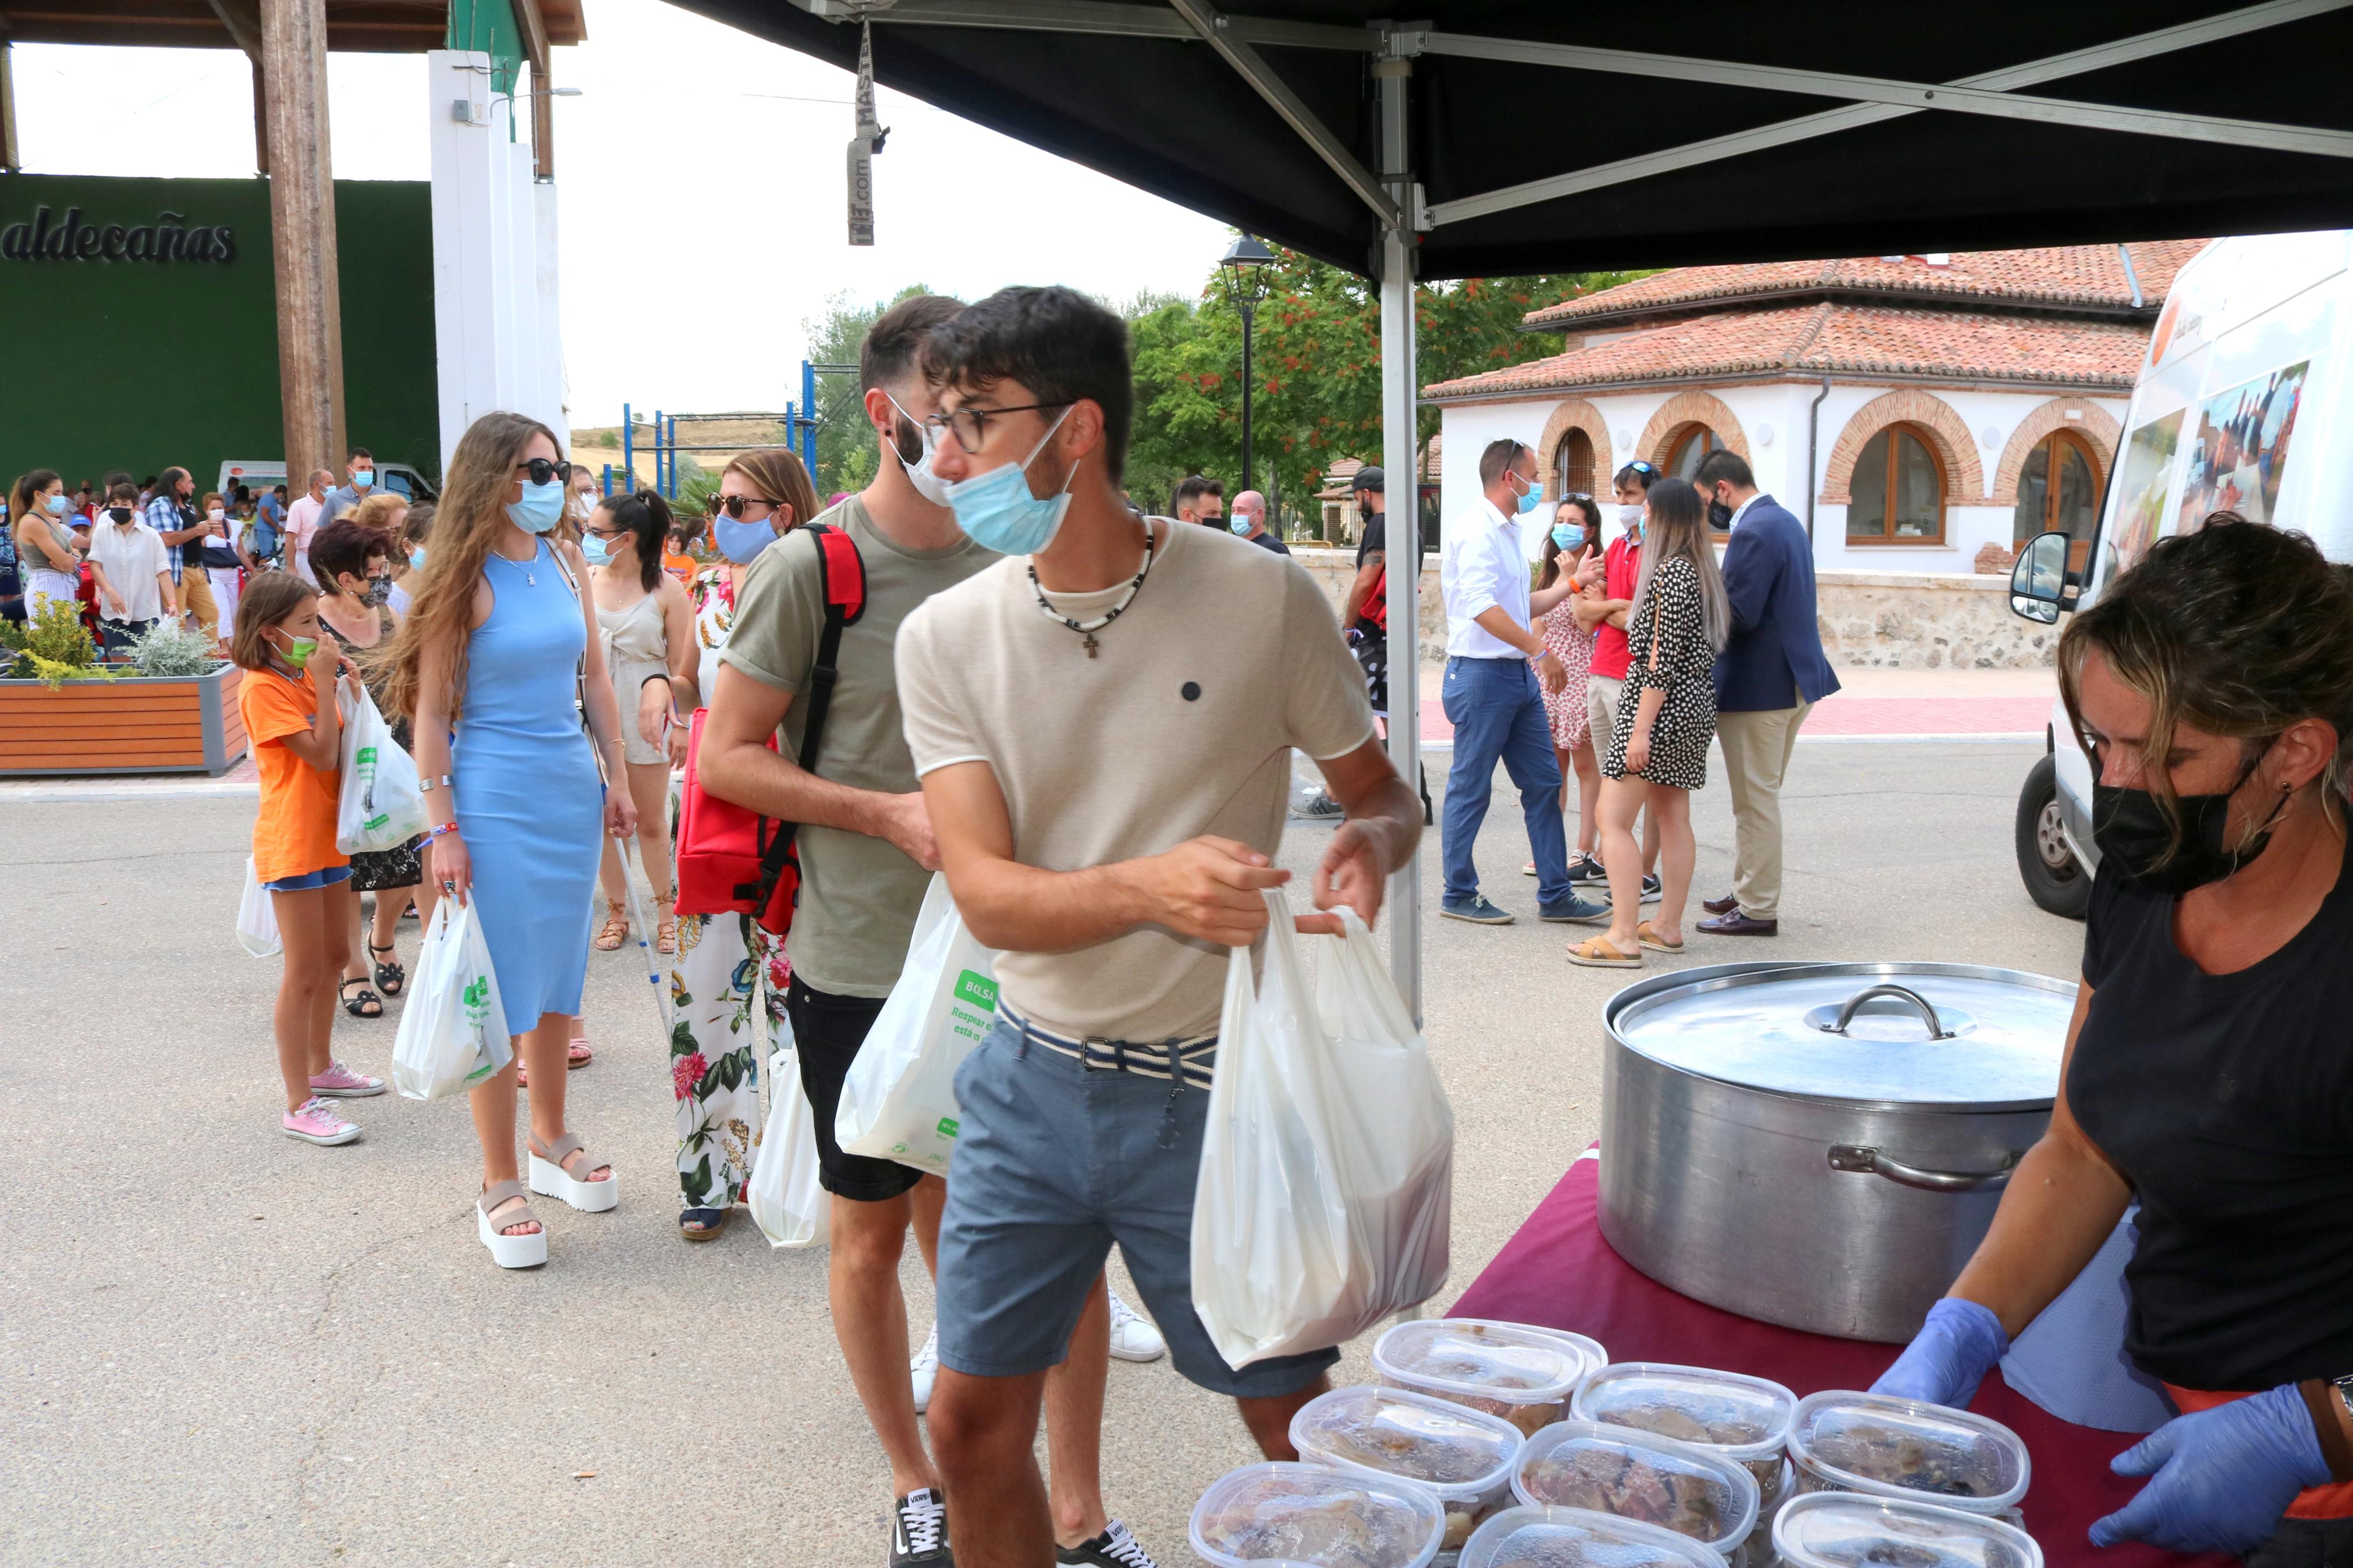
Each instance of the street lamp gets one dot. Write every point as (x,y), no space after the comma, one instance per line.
(1246,265)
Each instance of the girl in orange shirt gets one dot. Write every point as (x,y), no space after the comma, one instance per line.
(298,741)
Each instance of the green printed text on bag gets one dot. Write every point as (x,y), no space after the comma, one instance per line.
(949,1127)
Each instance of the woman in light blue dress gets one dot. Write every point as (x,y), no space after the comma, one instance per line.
(498,661)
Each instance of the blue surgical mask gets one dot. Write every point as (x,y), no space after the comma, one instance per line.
(541,508)
(595,549)
(416,558)
(997,512)
(363,478)
(59,506)
(928,485)
(739,541)
(1565,535)
(1239,523)
(1532,498)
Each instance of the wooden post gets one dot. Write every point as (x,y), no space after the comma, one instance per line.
(12,156)
(543,107)
(303,234)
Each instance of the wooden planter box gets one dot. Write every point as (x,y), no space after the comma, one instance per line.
(133,725)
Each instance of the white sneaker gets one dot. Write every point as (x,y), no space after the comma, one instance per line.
(926,1364)
(1132,1337)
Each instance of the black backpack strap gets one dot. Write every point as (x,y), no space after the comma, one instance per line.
(845,601)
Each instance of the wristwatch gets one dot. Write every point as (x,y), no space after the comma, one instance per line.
(2343,1387)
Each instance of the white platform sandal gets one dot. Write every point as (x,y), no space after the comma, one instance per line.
(549,1178)
(527,1251)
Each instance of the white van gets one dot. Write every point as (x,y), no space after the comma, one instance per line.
(2244,403)
(261,473)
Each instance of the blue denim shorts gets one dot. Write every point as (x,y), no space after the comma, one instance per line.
(310,880)
(1054,1161)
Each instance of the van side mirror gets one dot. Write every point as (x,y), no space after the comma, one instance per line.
(2038,582)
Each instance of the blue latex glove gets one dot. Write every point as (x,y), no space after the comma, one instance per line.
(1949,1357)
(2222,1477)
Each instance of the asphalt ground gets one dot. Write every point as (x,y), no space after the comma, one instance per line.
(221,1346)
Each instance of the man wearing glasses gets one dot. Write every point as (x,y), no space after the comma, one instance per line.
(1106,768)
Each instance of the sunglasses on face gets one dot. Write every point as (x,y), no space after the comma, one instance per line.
(542,470)
(970,425)
(734,505)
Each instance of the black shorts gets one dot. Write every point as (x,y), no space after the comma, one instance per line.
(1372,651)
(827,1033)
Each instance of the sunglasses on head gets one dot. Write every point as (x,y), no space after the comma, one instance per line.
(734,505)
(542,470)
(1640,466)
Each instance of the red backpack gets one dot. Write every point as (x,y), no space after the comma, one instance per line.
(730,859)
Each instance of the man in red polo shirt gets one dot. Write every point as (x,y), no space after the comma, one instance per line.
(1621,568)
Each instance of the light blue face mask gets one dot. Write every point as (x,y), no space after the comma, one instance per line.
(541,508)
(416,558)
(595,549)
(997,512)
(1565,535)
(739,541)
(59,506)
(363,478)
(1239,523)
(1534,499)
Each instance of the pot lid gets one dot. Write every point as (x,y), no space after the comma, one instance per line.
(1949,1034)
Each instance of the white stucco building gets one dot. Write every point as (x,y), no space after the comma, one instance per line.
(1913,410)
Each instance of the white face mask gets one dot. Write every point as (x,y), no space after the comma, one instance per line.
(928,485)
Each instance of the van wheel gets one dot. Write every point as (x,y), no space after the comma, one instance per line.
(2054,879)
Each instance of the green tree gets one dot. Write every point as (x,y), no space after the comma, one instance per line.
(845,441)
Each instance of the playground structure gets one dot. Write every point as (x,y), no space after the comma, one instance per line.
(797,425)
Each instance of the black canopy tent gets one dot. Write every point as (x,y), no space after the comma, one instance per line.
(1489,137)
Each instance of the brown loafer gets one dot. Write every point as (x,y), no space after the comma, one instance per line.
(1722,906)
(1738,925)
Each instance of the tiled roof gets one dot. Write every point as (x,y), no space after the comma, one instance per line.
(2083,277)
(1826,338)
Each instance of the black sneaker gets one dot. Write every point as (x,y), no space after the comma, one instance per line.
(1114,1548)
(919,1531)
(1652,890)
(1585,868)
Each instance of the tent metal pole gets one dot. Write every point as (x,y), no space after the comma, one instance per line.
(2054,68)
(1398,441)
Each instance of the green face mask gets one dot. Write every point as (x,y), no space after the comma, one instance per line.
(298,650)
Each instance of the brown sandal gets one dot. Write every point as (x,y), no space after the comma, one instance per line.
(617,926)
(666,926)
(1599,953)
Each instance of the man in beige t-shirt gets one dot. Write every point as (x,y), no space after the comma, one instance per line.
(1106,758)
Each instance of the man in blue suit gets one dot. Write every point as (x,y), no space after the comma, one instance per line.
(1766,679)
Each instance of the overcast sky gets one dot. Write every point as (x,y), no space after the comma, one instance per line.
(702,201)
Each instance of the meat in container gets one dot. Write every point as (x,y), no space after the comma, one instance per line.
(1463,1456)
(1518,1372)
(1306,1516)
(1573,1538)
(1627,1474)
(1842,1441)
(1847,1530)
(1744,1419)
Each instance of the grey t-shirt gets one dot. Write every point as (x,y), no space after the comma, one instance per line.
(858,895)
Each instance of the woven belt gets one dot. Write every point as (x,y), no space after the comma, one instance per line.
(1161,1060)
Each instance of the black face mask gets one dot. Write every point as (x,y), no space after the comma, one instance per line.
(2130,830)
(119,513)
(1719,515)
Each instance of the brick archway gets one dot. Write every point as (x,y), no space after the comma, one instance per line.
(1690,407)
(1576,414)
(1955,448)
(2094,423)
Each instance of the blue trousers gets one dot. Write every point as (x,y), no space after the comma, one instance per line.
(1497,711)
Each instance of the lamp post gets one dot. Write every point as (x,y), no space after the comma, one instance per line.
(1246,265)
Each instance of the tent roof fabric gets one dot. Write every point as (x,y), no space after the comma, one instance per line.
(2073,278)
(1828,339)
(1167,114)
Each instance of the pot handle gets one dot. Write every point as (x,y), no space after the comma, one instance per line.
(1936,1030)
(1863,1160)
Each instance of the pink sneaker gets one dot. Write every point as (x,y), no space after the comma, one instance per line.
(343,1083)
(319,1122)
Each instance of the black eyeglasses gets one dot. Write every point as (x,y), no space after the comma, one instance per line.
(969,424)
(542,470)
(734,505)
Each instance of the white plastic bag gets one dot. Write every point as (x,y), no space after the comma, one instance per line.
(453,1032)
(899,1100)
(787,1204)
(257,917)
(1326,1183)
(381,807)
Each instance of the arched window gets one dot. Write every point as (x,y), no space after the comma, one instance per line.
(2058,489)
(1691,443)
(1899,490)
(1574,460)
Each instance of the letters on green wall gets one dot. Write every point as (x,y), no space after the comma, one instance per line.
(142,315)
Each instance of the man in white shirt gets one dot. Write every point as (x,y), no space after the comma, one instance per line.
(129,566)
(1492,695)
(302,520)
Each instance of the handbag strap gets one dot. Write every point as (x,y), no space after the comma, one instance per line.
(842,573)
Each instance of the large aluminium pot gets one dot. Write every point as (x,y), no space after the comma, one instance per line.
(1804,1144)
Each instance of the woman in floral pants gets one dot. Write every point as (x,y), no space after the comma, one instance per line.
(727,988)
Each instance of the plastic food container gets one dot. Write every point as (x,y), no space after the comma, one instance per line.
(1628,1474)
(1305,1516)
(1848,1529)
(1520,1373)
(1756,1551)
(1842,1441)
(1463,1456)
(1532,1537)
(1745,1420)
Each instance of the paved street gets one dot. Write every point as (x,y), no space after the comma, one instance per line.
(225,1347)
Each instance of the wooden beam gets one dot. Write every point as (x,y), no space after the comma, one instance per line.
(303,234)
(543,107)
(260,118)
(12,154)
(243,20)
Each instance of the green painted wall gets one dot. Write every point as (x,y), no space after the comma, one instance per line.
(140,365)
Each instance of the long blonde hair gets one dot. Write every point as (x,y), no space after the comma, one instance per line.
(473,508)
(1678,527)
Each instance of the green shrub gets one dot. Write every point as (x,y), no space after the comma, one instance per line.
(54,647)
(166,649)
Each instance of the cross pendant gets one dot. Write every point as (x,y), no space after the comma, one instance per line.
(1090,645)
